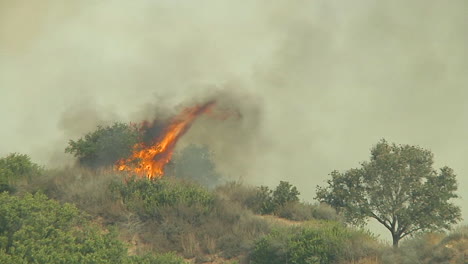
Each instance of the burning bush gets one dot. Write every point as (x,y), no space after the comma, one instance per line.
(143,149)
(148,159)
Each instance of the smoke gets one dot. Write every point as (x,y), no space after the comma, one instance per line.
(232,131)
(317,82)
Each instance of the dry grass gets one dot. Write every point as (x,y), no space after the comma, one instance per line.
(224,234)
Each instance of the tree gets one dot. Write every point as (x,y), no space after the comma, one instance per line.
(15,167)
(285,193)
(269,201)
(399,188)
(104,146)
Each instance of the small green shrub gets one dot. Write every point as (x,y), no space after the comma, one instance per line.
(299,245)
(322,243)
(149,197)
(324,211)
(300,211)
(34,229)
(16,167)
(267,201)
(296,211)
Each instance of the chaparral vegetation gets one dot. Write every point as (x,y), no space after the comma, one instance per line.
(93,213)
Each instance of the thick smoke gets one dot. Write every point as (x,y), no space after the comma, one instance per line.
(322,81)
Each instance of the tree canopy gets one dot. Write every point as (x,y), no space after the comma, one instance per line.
(104,146)
(271,201)
(399,188)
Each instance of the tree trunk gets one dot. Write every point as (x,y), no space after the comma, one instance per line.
(396,239)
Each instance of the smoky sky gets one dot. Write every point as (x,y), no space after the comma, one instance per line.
(318,82)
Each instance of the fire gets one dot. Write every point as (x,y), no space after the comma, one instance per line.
(150,159)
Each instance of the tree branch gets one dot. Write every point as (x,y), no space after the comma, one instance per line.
(410,232)
(382,221)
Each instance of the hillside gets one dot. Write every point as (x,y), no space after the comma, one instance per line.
(226,224)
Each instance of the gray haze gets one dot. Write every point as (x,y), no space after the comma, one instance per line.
(323,80)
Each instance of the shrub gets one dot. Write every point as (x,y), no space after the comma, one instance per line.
(16,167)
(34,229)
(300,245)
(296,211)
(88,189)
(434,248)
(104,146)
(186,218)
(321,243)
(324,211)
(267,201)
(245,196)
(148,197)
(285,193)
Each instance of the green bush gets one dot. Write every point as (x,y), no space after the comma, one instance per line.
(16,167)
(186,218)
(34,229)
(319,243)
(296,211)
(104,146)
(88,189)
(268,201)
(148,197)
(285,193)
(304,211)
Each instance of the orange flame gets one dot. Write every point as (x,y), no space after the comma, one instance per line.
(151,159)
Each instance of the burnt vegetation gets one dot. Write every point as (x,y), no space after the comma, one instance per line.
(89,213)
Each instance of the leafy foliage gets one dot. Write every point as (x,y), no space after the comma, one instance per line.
(147,197)
(285,193)
(34,229)
(104,146)
(260,200)
(15,167)
(399,188)
(269,202)
(189,219)
(322,244)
